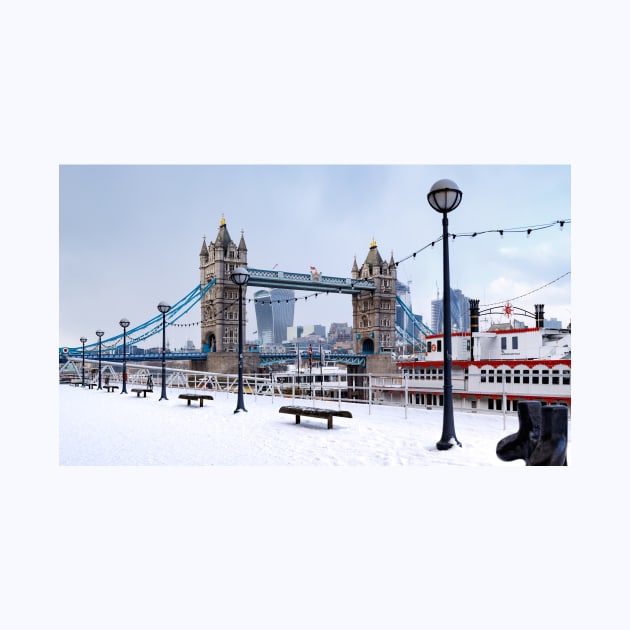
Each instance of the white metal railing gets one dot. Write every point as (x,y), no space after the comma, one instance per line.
(371,389)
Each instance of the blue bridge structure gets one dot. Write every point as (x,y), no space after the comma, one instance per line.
(305,282)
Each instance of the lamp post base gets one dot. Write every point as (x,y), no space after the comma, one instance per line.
(444,445)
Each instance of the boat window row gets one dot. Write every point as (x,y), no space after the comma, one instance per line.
(314,378)
(535,377)
(424,374)
(492,404)
(512,405)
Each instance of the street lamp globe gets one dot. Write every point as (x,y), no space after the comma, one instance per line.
(240,276)
(444,195)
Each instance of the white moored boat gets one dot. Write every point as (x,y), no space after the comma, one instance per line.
(328,380)
(491,370)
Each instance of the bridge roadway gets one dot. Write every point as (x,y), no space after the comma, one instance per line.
(307,282)
(266,358)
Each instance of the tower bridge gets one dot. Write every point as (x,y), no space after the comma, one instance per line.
(372,287)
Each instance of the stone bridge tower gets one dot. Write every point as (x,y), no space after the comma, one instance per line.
(374,313)
(219,306)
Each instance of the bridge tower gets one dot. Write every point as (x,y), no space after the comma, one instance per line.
(374,312)
(219,306)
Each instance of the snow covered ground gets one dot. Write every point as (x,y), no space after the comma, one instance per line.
(101,428)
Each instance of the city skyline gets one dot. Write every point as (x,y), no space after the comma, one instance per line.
(148,222)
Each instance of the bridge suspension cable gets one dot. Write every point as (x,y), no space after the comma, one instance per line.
(153,325)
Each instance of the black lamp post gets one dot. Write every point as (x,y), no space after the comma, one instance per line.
(83,340)
(240,276)
(124,322)
(99,334)
(443,197)
(164,308)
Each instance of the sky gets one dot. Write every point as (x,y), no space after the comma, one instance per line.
(130,236)
(407,83)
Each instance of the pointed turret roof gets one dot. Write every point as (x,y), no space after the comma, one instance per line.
(373,257)
(204,249)
(223,236)
(241,246)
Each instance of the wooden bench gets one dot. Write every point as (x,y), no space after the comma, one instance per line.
(314,413)
(142,390)
(110,388)
(199,397)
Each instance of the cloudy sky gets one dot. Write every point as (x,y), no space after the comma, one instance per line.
(130,236)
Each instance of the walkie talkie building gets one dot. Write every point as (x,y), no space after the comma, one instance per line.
(274,313)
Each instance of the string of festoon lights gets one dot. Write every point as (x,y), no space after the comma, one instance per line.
(518,297)
(528,229)
(501,231)
(249,301)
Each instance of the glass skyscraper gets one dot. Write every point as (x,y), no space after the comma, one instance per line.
(460,313)
(274,313)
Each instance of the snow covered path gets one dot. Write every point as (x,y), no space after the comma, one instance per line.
(100,428)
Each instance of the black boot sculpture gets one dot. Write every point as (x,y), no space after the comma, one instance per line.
(541,439)
(520,445)
(551,449)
